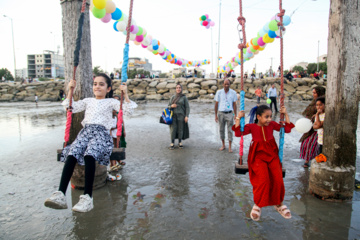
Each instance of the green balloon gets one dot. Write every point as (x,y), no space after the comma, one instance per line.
(254,41)
(203,17)
(139,32)
(268,100)
(98,13)
(273,25)
(252,49)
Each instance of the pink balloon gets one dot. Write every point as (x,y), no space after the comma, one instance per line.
(260,41)
(139,38)
(207,16)
(277,18)
(106,18)
(134,29)
(248,50)
(144,46)
(208,26)
(162,54)
(212,23)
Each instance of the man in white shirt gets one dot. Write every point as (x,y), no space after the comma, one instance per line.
(273,95)
(225,110)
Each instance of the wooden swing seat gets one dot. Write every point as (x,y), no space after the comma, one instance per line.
(117,154)
(243,169)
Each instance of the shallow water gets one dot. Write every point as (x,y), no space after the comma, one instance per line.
(191,193)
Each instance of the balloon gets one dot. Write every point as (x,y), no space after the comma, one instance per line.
(132,36)
(208,26)
(254,41)
(248,50)
(212,23)
(203,17)
(252,49)
(268,100)
(139,32)
(121,26)
(106,18)
(136,43)
(207,16)
(134,29)
(205,23)
(110,7)
(144,46)
(139,38)
(156,47)
(154,42)
(266,28)
(286,20)
(260,42)
(117,14)
(98,13)
(272,34)
(266,38)
(303,125)
(114,26)
(99,4)
(276,17)
(256,47)
(273,25)
(278,32)
(261,32)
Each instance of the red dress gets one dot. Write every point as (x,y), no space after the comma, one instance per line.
(265,169)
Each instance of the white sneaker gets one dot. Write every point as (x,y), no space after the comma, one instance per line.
(56,201)
(85,204)
(111,178)
(118,176)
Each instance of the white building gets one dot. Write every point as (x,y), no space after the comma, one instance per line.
(322,58)
(45,65)
(22,73)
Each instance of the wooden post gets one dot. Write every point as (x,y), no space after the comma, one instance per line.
(334,180)
(71,10)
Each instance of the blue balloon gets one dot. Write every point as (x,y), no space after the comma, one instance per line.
(172,55)
(115,26)
(262,32)
(286,20)
(156,47)
(154,42)
(272,34)
(116,15)
(176,60)
(266,28)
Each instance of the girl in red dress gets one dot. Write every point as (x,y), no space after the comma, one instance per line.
(265,169)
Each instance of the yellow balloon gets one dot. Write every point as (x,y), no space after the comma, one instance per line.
(99,4)
(261,48)
(266,38)
(110,7)
(136,43)
(91,5)
(271,39)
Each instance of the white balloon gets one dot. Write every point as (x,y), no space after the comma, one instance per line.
(303,125)
(132,36)
(121,26)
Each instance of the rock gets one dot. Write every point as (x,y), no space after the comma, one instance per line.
(194,90)
(289,88)
(189,80)
(138,97)
(171,85)
(293,84)
(202,92)
(192,95)
(252,90)
(302,88)
(161,85)
(48,97)
(193,85)
(153,84)
(320,82)
(138,90)
(130,87)
(214,88)
(209,83)
(143,84)
(249,95)
(154,97)
(161,91)
(210,91)
(300,93)
(7,97)
(167,96)
(300,82)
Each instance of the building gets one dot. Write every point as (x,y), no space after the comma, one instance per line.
(301,64)
(139,64)
(46,65)
(322,58)
(22,73)
(177,71)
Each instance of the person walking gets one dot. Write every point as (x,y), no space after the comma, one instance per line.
(273,95)
(225,110)
(179,128)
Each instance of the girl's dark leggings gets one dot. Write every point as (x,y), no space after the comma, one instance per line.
(69,169)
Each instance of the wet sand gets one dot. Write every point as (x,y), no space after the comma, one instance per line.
(190,193)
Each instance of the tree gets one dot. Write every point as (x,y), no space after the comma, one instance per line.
(4,72)
(312,67)
(334,179)
(163,75)
(97,70)
(298,68)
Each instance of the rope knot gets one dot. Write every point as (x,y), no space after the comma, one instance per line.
(241,20)
(281,13)
(241,46)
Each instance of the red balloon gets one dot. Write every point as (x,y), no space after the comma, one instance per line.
(205,23)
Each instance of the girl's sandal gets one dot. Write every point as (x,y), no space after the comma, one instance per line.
(122,163)
(171,146)
(284,211)
(113,168)
(256,211)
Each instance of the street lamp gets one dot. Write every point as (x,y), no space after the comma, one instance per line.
(54,55)
(12,30)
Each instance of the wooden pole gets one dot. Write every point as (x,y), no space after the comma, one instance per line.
(334,179)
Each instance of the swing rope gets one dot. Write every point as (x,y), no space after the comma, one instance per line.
(76,63)
(242,46)
(282,96)
(124,76)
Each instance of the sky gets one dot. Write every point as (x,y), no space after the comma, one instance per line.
(37,26)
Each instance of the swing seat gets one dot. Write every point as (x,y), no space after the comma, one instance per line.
(243,169)
(117,154)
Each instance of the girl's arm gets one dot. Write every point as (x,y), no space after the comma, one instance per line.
(317,124)
(123,89)
(187,109)
(77,106)
(286,115)
(236,127)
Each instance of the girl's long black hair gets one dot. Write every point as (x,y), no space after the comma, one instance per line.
(108,82)
(257,110)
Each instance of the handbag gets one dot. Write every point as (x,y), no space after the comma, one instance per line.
(166,116)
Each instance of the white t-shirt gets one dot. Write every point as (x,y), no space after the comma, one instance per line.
(99,111)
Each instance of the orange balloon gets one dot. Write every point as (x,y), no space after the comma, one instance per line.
(256,47)
(247,44)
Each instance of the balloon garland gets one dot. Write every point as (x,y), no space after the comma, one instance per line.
(266,35)
(106,10)
(206,21)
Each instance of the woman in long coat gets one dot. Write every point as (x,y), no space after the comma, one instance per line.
(308,149)
(179,128)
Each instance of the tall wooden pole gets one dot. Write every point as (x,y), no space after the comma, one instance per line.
(334,179)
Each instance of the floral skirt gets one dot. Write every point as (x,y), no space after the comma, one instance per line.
(93,140)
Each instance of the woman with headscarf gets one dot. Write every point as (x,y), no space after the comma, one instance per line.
(179,128)
(309,146)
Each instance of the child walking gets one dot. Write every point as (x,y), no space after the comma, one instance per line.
(265,169)
(258,93)
(319,121)
(93,143)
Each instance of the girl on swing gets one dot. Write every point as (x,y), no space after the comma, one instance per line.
(265,169)
(93,143)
